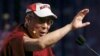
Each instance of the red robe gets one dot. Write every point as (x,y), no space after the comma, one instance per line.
(13,46)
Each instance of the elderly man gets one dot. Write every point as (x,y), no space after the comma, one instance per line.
(32,37)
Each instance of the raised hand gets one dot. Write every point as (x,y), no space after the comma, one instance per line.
(77,21)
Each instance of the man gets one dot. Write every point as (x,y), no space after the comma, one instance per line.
(32,38)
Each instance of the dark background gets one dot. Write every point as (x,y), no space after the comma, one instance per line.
(12,13)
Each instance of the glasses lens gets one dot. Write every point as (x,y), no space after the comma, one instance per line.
(46,20)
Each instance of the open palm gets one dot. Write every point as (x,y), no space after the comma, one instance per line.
(77,21)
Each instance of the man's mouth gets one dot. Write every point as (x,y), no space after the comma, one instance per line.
(42,33)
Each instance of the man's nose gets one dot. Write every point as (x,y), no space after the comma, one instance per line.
(45,25)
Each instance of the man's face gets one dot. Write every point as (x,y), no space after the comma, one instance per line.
(40,26)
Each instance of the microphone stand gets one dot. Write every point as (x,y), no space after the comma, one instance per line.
(81,41)
(91,49)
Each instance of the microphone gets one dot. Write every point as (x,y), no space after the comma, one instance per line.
(81,41)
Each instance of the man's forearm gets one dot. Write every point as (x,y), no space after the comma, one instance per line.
(55,36)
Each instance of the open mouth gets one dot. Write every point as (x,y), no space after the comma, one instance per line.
(42,33)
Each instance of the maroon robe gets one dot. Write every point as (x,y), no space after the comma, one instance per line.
(13,46)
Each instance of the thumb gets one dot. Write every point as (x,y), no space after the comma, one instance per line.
(86,24)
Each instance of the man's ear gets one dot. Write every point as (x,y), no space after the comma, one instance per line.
(27,20)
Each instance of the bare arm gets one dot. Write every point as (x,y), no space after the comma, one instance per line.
(55,36)
(47,40)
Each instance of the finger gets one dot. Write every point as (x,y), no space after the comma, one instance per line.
(86,24)
(82,14)
(84,11)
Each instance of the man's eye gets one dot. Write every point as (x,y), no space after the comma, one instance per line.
(50,22)
(41,20)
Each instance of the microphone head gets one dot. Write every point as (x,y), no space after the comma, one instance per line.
(80,40)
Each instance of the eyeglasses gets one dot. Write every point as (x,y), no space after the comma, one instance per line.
(47,20)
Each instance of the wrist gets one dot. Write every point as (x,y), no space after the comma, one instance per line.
(71,26)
